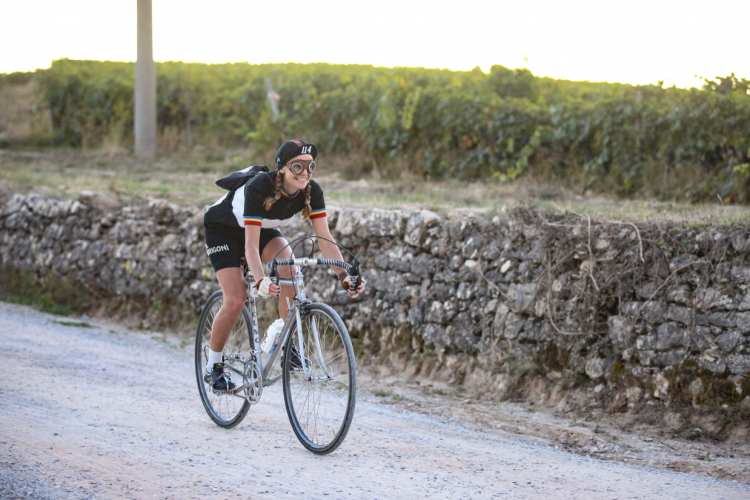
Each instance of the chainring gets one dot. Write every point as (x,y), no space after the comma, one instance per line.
(252,377)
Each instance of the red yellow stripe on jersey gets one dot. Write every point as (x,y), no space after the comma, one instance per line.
(253,220)
(316,214)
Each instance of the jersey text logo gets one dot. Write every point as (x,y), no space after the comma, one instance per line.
(220,248)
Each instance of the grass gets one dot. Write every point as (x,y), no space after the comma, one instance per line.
(188,178)
(79,324)
(51,294)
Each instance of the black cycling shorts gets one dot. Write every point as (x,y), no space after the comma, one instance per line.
(226,245)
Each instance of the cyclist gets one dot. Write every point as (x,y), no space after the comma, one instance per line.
(245,222)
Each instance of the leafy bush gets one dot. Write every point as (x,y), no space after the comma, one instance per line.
(435,123)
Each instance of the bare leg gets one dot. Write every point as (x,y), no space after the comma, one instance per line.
(272,248)
(233,287)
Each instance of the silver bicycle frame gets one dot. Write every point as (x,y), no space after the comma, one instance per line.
(294,315)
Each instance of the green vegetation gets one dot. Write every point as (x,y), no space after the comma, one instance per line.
(79,324)
(651,141)
(51,294)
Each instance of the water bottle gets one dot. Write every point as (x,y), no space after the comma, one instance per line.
(272,336)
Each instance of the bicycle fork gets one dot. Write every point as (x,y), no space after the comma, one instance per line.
(301,341)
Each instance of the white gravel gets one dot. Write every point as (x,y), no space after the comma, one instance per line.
(88,413)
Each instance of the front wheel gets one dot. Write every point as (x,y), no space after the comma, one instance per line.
(320,404)
(225,409)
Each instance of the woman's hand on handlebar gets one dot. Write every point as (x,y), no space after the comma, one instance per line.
(267,288)
(347,283)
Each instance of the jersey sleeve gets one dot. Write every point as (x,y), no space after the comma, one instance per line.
(256,192)
(317,203)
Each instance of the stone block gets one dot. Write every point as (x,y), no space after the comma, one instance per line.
(472,247)
(646,342)
(701,337)
(729,340)
(446,276)
(670,335)
(415,232)
(646,357)
(424,265)
(661,386)
(713,361)
(712,298)
(669,359)
(595,368)
(521,297)
(655,312)
(440,312)
(646,291)
(436,335)
(469,271)
(744,303)
(463,324)
(681,261)
(398,257)
(722,319)
(742,322)
(620,332)
(741,274)
(455,262)
(680,294)
(465,291)
(739,364)
(349,221)
(440,247)
(492,251)
(680,314)
(531,331)
(513,326)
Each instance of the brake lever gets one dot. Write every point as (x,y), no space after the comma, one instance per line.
(357,270)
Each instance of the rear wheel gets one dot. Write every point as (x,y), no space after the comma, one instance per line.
(320,405)
(224,408)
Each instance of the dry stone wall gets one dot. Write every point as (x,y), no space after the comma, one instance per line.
(646,314)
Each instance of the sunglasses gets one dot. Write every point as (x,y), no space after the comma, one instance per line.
(297,167)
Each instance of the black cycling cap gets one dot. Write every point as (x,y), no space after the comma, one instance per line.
(293,148)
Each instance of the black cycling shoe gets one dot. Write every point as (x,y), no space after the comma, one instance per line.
(294,362)
(217,379)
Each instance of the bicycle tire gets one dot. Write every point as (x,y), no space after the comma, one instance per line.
(337,392)
(226,410)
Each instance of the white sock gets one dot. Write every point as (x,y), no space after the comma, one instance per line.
(213,357)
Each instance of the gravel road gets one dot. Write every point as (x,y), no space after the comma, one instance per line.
(104,412)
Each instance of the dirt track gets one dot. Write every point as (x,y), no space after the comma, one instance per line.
(106,413)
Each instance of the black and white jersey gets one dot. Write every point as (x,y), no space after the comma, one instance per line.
(244,206)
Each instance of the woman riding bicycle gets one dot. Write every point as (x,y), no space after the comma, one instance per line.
(245,222)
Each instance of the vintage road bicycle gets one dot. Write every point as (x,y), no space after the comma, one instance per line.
(319,376)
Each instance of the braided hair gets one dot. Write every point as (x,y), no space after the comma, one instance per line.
(269,201)
(306,211)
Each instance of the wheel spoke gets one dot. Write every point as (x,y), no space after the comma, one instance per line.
(321,405)
(225,409)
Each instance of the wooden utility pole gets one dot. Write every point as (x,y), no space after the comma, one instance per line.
(145,85)
(272,97)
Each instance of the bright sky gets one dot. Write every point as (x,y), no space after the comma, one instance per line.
(634,41)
